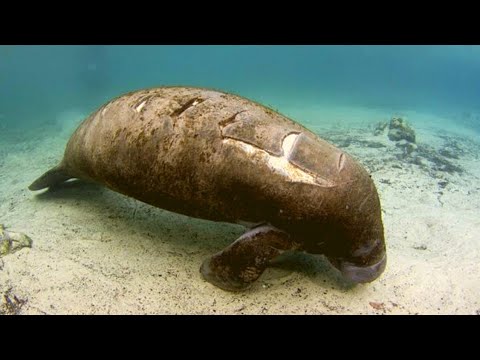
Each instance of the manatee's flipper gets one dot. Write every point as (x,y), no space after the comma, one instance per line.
(53,176)
(239,265)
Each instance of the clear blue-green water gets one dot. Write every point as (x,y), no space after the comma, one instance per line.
(96,251)
(38,82)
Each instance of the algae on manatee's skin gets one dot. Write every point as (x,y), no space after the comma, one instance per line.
(11,242)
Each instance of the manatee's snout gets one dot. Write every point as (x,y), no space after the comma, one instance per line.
(364,264)
(362,274)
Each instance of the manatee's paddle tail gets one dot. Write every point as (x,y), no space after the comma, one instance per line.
(52,177)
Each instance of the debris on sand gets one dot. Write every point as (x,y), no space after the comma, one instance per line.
(400,130)
(11,304)
(380,128)
(11,242)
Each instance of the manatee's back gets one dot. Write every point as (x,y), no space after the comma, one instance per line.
(174,147)
(203,153)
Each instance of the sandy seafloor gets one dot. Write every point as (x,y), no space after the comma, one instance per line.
(98,252)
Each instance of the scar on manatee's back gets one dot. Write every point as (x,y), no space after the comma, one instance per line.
(230,119)
(192,102)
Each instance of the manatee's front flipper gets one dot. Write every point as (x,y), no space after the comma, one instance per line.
(239,265)
(51,177)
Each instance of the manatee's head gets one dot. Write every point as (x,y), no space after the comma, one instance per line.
(359,251)
(356,242)
(345,219)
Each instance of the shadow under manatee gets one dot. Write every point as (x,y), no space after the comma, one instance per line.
(316,267)
(196,237)
(119,213)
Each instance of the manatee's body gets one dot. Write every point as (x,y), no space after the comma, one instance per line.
(220,157)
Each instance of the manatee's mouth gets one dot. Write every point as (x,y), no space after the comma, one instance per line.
(362,274)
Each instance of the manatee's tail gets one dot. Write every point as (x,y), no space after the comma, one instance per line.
(53,176)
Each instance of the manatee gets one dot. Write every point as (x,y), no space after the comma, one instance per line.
(221,157)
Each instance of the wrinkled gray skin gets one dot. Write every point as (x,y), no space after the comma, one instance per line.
(221,157)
